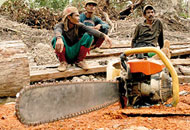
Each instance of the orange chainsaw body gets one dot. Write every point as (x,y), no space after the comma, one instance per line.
(147,67)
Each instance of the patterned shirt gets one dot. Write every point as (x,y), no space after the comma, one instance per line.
(93,21)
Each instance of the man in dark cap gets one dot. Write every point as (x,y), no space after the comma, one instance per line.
(150,32)
(73,39)
(89,19)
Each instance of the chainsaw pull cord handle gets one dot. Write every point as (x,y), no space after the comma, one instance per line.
(167,63)
(122,92)
(123,58)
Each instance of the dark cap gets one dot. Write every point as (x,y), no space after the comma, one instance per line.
(147,7)
(91,2)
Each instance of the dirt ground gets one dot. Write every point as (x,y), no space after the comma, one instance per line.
(111,118)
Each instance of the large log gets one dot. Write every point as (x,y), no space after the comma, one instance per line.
(14,67)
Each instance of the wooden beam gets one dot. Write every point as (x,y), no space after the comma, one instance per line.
(55,74)
(175,47)
(180,61)
(107,53)
(50,72)
(184,79)
(180,43)
(154,114)
(180,52)
(116,46)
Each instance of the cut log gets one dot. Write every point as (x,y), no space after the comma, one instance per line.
(14,67)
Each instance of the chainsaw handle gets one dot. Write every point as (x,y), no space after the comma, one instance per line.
(166,62)
(123,59)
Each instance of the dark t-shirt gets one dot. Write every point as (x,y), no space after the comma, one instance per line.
(146,35)
(73,35)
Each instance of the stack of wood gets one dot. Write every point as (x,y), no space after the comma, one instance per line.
(15,73)
(95,59)
(42,18)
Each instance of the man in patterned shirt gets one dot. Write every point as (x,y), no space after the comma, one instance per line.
(88,18)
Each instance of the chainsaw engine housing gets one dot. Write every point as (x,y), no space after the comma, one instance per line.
(144,82)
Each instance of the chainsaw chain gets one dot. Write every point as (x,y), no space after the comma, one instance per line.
(63,117)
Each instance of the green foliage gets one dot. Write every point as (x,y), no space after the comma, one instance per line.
(78,3)
(54,4)
(184,9)
(184,15)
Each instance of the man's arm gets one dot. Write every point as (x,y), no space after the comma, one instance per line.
(103,24)
(58,30)
(135,37)
(95,33)
(83,28)
(82,17)
(58,34)
(161,37)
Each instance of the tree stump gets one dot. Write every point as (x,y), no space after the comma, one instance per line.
(14,67)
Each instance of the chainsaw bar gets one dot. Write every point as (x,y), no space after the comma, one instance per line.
(50,102)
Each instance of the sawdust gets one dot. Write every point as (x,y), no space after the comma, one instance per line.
(110,118)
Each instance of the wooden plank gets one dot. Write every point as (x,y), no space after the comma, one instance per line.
(154,114)
(50,72)
(127,44)
(107,53)
(184,79)
(54,73)
(180,61)
(116,46)
(175,47)
(180,52)
(180,43)
(183,70)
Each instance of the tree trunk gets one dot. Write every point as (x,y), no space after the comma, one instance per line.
(14,67)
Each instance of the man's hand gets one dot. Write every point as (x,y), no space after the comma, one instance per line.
(59,45)
(108,40)
(97,27)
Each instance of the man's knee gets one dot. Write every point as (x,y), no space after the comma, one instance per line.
(87,40)
(105,30)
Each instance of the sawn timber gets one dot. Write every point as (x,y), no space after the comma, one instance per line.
(50,102)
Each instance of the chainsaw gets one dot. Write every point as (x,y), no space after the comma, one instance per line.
(139,82)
